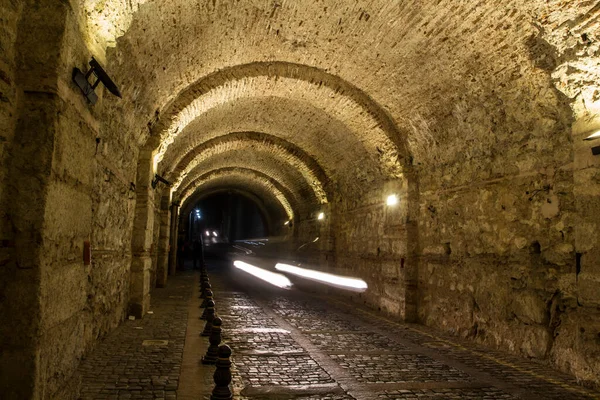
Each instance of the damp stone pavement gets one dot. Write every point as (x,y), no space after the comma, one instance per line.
(289,344)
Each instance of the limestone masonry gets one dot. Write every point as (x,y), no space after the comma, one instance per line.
(474,113)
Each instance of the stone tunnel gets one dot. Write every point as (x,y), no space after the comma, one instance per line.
(445,153)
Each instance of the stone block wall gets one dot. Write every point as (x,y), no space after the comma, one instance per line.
(371,243)
(500,227)
(69,191)
(16,360)
(9,16)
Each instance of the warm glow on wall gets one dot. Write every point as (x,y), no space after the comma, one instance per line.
(155,161)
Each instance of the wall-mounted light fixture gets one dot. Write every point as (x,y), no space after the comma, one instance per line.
(392,200)
(593,136)
(321,216)
(81,80)
(158,178)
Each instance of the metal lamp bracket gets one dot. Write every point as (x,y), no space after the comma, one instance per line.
(81,80)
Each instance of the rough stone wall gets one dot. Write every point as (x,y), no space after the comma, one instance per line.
(16,358)
(162,262)
(88,200)
(24,188)
(498,222)
(9,17)
(371,243)
(571,28)
(66,189)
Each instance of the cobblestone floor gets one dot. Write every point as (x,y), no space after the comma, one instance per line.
(134,362)
(292,345)
(341,351)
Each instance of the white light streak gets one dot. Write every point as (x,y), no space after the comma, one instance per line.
(334,280)
(245,250)
(267,276)
(593,136)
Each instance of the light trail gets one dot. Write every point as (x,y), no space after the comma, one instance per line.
(334,280)
(274,279)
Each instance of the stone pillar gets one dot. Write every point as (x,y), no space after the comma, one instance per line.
(141,241)
(154,251)
(30,132)
(411,273)
(162,266)
(173,236)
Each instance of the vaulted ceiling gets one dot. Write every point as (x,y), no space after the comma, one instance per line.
(318,99)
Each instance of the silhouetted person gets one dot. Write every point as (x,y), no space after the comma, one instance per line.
(198,253)
(180,255)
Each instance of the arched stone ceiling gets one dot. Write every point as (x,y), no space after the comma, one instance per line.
(343,158)
(400,53)
(423,62)
(244,178)
(289,179)
(246,142)
(300,83)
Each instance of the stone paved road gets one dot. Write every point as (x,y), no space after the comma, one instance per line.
(292,345)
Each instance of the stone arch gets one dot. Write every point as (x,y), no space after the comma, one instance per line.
(336,95)
(344,159)
(283,150)
(263,162)
(248,178)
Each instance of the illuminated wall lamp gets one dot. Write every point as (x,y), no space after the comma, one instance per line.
(392,200)
(595,135)
(321,216)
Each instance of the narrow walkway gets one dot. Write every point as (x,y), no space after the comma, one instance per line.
(141,359)
(289,344)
